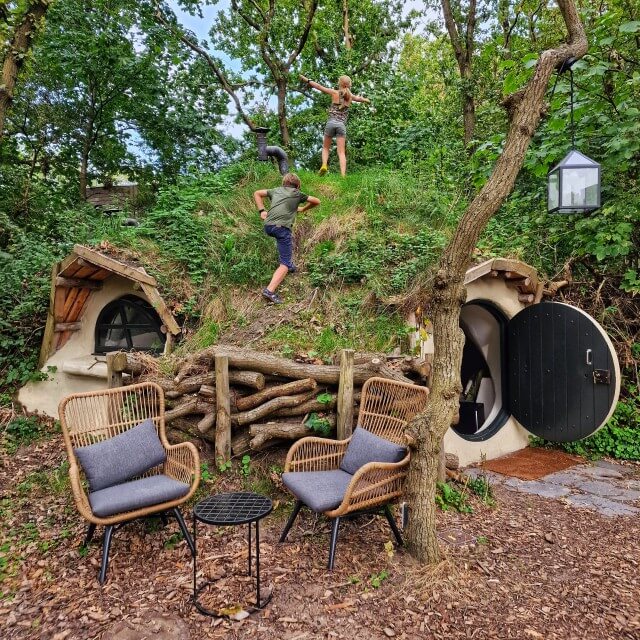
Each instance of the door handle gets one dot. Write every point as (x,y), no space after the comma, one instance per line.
(589,357)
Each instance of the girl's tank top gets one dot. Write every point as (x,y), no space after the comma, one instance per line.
(336,112)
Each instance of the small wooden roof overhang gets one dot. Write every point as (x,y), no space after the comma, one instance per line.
(515,273)
(75,278)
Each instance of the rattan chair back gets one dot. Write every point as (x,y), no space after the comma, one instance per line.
(95,416)
(387,406)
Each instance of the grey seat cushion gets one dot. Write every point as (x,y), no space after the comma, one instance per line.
(319,490)
(136,494)
(122,457)
(366,447)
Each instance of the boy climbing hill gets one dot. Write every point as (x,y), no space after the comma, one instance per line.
(278,221)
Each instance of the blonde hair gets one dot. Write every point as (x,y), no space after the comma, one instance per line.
(344,93)
(291,180)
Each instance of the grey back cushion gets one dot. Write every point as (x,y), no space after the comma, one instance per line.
(367,447)
(122,457)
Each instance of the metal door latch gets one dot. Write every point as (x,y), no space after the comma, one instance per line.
(601,376)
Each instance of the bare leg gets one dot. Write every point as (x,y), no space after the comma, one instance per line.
(341,143)
(326,147)
(278,277)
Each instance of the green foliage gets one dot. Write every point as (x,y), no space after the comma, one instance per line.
(224,465)
(389,260)
(205,473)
(318,424)
(245,466)
(23,430)
(173,540)
(324,398)
(482,488)
(448,497)
(377,579)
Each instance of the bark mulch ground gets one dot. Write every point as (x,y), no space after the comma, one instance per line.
(528,568)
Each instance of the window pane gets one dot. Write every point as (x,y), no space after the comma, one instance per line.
(146,338)
(113,337)
(579,187)
(553,191)
(111,316)
(135,314)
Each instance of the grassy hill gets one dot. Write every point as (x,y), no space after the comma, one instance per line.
(373,236)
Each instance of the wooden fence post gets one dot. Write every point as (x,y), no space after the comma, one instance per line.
(116,364)
(223,409)
(344,425)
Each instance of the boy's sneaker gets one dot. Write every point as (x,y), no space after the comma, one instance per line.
(271,296)
(323,169)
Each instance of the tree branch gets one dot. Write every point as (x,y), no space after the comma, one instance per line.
(247,18)
(452,28)
(526,116)
(313,5)
(222,79)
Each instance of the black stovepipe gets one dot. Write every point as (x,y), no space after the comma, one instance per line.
(265,152)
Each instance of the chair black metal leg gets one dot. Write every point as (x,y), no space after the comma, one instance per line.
(90,531)
(185,532)
(393,525)
(291,520)
(334,542)
(106,545)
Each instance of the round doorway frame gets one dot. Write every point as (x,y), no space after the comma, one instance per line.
(503,414)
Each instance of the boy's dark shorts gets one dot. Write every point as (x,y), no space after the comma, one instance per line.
(284,239)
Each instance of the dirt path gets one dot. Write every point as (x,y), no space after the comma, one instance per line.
(530,567)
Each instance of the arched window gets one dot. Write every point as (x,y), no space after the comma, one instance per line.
(129,323)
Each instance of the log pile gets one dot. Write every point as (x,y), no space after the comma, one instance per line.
(241,400)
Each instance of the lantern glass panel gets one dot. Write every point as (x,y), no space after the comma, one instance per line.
(579,187)
(554,190)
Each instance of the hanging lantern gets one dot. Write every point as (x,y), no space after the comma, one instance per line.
(573,185)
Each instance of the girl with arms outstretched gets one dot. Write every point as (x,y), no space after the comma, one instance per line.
(336,127)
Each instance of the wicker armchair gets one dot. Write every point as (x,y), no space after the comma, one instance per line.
(96,416)
(385,409)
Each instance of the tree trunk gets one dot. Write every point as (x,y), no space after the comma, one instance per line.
(463,44)
(348,38)
(16,53)
(447,292)
(281,84)
(274,365)
(291,388)
(468,109)
(263,434)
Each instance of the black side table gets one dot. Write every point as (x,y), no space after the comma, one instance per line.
(226,510)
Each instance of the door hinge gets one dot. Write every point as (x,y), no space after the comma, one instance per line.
(601,376)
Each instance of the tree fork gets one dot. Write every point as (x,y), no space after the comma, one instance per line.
(447,295)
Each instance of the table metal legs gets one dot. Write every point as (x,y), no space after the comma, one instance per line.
(198,589)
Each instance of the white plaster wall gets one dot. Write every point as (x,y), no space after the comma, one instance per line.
(45,396)
(512,436)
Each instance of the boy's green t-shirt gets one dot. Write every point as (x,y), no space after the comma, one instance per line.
(284,205)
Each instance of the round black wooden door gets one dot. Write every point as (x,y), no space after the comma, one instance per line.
(563,373)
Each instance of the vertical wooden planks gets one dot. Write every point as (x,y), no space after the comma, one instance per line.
(49,334)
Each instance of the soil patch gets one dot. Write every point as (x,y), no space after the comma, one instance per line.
(532,463)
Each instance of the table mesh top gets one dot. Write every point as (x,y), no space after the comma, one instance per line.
(232,508)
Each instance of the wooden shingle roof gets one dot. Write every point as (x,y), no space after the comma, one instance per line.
(73,281)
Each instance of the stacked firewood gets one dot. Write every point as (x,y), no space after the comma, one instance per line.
(270,397)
